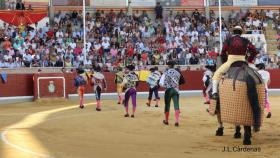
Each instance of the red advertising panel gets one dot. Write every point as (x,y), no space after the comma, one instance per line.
(192,3)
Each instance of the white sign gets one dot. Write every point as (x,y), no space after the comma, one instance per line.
(109,3)
(51,87)
(245,3)
(143,3)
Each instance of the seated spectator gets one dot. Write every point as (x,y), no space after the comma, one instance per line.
(194,60)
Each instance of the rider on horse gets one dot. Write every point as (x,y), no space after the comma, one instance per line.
(235,48)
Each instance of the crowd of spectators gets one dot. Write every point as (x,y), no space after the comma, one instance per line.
(116,39)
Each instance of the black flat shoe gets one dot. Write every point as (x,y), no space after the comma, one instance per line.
(177,124)
(237,135)
(126,115)
(208,102)
(257,129)
(268,115)
(156,106)
(132,116)
(97,109)
(220,131)
(165,122)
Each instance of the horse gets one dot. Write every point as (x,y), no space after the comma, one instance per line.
(240,101)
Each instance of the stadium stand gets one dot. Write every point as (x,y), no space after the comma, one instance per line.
(115,39)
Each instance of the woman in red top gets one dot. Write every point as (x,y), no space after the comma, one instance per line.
(78,50)
(130,51)
(144,57)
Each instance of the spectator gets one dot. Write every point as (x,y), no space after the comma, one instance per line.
(115,38)
(158,10)
(20,5)
(259,44)
(194,60)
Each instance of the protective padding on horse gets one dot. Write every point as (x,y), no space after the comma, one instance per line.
(235,106)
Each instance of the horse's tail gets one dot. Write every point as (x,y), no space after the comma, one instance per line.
(253,99)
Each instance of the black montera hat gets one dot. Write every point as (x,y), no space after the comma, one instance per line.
(152,69)
(260,66)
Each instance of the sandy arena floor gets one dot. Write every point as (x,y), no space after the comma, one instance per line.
(61,130)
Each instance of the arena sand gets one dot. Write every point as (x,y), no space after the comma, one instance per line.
(61,130)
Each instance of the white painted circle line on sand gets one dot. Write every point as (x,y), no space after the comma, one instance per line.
(5,140)
(25,150)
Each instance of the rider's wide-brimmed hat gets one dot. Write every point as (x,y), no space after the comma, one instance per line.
(238,28)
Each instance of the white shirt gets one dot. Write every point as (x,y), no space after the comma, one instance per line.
(256,23)
(207,73)
(88,62)
(72,45)
(269,14)
(59,33)
(105,45)
(255,32)
(265,76)
(194,33)
(45,29)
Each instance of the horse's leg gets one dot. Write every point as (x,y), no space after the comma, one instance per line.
(237,133)
(220,130)
(247,135)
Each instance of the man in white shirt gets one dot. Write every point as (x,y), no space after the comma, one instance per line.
(256,22)
(194,32)
(46,28)
(266,79)
(259,44)
(269,14)
(59,33)
(72,45)
(106,37)
(76,33)
(106,46)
